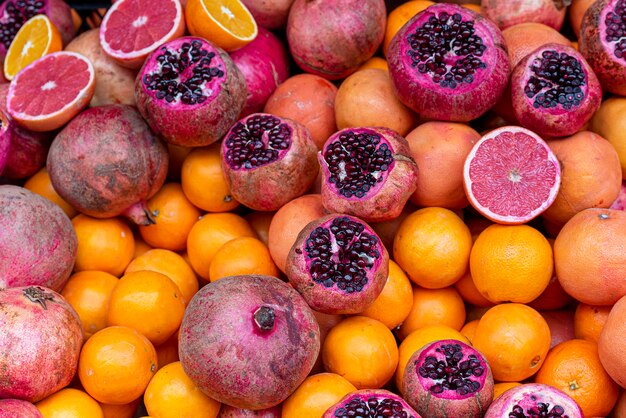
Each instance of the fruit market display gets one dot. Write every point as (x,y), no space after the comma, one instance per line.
(313,209)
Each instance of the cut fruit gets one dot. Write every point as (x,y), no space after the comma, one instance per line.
(511,176)
(226,23)
(132,29)
(36,38)
(49,92)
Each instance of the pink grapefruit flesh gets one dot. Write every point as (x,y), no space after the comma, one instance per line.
(511,175)
(132,29)
(50,91)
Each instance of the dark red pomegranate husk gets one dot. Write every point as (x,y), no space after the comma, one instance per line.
(519,402)
(506,13)
(368,401)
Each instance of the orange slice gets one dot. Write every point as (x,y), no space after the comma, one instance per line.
(36,38)
(226,23)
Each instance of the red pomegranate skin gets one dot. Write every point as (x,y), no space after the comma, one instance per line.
(270,14)
(38,243)
(333,38)
(5,139)
(40,343)
(506,13)
(227,411)
(620,202)
(13,408)
(522,396)
(106,161)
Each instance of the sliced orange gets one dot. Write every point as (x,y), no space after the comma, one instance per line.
(36,38)
(226,23)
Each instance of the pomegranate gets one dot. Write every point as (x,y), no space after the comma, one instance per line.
(448,378)
(506,13)
(190,92)
(248,341)
(338,264)
(555,92)
(332,39)
(620,202)
(5,139)
(227,411)
(371,403)
(106,162)
(534,400)
(11,408)
(367,172)
(44,359)
(37,239)
(448,63)
(264,64)
(270,14)
(268,161)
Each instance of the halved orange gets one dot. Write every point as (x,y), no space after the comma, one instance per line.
(226,23)
(36,38)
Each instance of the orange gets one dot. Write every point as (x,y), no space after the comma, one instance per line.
(501,387)
(612,343)
(315,395)
(470,294)
(103,244)
(37,37)
(40,183)
(243,255)
(172,265)
(620,407)
(554,297)
(116,365)
(469,329)
(418,339)
(203,182)
(399,16)
(511,263)
(589,321)
(375,62)
(173,214)
(610,123)
(89,292)
(172,394)
(177,154)
(119,411)
(394,303)
(260,222)
(167,352)
(226,23)
(514,339)
(69,403)
(574,367)
(434,307)
(362,350)
(149,302)
(211,232)
(433,246)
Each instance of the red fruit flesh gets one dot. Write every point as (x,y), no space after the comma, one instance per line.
(456,76)
(534,400)
(106,162)
(227,411)
(37,239)
(448,378)
(190,92)
(338,264)
(268,161)
(332,39)
(620,202)
(248,341)
(367,172)
(506,13)
(44,359)
(371,403)
(270,14)
(12,408)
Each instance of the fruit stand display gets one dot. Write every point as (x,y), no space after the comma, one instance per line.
(313,208)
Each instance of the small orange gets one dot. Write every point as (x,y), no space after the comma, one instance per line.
(89,292)
(470,294)
(172,265)
(434,307)
(514,339)
(243,255)
(120,411)
(315,395)
(394,303)
(173,214)
(40,183)
(168,351)
(69,403)
(501,387)
(149,302)
(211,232)
(116,365)
(589,321)
(375,62)
(469,329)
(103,244)
(260,222)
(553,297)
(574,367)
(399,16)
(203,182)
(172,394)
(361,349)
(433,246)
(177,156)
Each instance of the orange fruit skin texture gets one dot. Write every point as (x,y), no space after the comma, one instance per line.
(70,403)
(589,321)
(612,343)
(315,395)
(434,307)
(610,123)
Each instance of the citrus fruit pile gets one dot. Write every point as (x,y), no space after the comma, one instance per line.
(313,209)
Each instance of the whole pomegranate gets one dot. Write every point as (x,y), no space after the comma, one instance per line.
(11,408)
(248,341)
(534,400)
(506,13)
(371,403)
(270,14)
(227,411)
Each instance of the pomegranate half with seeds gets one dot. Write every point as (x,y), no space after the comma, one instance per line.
(371,403)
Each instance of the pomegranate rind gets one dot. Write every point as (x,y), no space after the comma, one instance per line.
(467,101)
(10,408)
(521,395)
(136,58)
(550,167)
(333,300)
(37,70)
(365,394)
(556,121)
(513,12)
